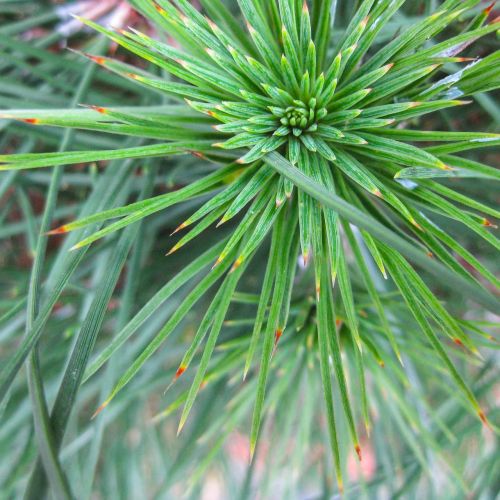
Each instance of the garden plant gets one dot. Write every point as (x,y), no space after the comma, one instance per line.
(248,249)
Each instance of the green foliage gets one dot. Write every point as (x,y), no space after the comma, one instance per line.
(296,127)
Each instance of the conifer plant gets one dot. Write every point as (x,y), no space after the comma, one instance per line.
(316,173)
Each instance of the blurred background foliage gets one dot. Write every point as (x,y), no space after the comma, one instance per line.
(422,442)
